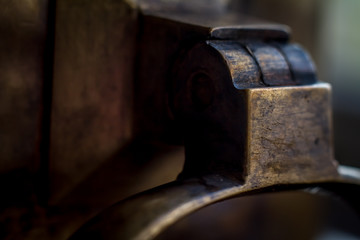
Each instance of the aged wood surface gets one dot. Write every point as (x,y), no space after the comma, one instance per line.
(22,43)
(92,90)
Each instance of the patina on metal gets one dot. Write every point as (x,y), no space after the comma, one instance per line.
(254,119)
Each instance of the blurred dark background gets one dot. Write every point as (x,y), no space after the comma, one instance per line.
(68,145)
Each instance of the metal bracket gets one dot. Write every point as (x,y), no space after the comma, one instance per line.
(254,118)
(255,108)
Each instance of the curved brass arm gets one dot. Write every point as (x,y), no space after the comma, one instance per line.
(147,214)
(254,118)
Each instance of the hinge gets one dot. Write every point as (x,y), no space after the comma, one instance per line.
(252,107)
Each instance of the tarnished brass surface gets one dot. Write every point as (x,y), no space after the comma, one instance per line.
(193,79)
(273,66)
(145,215)
(223,116)
(98,127)
(252,31)
(250,124)
(244,70)
(302,67)
(289,134)
(179,31)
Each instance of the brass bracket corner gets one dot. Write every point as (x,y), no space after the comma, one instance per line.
(254,117)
